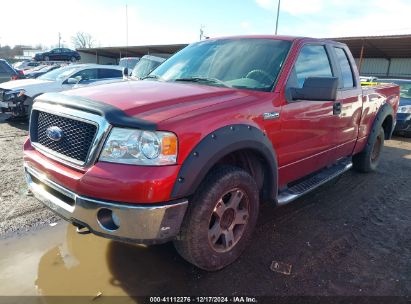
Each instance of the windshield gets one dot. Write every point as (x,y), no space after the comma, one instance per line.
(58,74)
(144,67)
(129,63)
(240,63)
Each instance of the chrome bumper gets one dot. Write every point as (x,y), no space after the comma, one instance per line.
(125,222)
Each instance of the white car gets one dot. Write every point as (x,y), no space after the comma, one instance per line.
(25,65)
(17,96)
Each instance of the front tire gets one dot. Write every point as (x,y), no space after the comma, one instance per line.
(47,58)
(369,158)
(220,220)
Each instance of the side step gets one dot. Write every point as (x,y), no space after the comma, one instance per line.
(313,182)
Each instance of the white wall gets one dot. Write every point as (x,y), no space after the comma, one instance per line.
(398,67)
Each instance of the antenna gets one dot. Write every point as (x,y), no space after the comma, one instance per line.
(278,16)
(59,38)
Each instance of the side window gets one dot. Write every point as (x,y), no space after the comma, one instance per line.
(311,62)
(109,73)
(347,78)
(86,75)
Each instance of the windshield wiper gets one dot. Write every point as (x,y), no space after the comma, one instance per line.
(206,80)
(151,77)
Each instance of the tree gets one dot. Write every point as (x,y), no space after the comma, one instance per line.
(83,40)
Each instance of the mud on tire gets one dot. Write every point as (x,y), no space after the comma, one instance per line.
(220,219)
(369,158)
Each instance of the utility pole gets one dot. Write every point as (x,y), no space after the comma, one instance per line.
(126,30)
(278,16)
(201,32)
(59,39)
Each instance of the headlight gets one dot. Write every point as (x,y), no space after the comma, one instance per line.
(21,93)
(136,147)
(13,94)
(404,109)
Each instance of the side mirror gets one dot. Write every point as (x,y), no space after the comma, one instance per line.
(125,72)
(316,88)
(72,81)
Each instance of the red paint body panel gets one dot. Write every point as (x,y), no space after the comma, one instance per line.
(306,138)
(110,182)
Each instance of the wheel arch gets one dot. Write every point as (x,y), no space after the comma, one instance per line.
(242,145)
(385,119)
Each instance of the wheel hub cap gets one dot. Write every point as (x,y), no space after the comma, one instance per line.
(227,218)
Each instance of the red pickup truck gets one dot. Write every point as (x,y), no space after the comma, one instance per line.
(187,154)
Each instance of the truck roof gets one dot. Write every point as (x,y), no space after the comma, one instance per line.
(279,37)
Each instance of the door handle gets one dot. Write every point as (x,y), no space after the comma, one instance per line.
(337,108)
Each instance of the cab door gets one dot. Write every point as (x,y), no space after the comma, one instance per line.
(306,125)
(348,106)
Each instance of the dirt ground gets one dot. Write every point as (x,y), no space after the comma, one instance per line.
(19,212)
(350,237)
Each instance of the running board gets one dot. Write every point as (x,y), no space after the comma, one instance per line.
(313,182)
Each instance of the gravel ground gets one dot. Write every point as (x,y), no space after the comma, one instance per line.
(19,212)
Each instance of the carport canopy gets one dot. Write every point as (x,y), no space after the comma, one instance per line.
(396,46)
(132,51)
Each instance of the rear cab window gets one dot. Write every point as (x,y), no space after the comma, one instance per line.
(346,79)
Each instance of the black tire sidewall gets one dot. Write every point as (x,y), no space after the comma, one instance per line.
(362,162)
(196,226)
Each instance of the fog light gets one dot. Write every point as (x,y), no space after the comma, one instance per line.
(108,219)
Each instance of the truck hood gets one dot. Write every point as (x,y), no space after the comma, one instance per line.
(155,100)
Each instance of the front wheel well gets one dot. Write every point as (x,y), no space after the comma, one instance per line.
(254,164)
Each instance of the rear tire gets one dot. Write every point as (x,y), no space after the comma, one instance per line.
(369,158)
(220,220)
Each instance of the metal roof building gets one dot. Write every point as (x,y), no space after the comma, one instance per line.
(381,56)
(111,55)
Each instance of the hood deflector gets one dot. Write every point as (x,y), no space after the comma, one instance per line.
(113,115)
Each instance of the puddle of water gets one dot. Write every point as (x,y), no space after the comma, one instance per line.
(56,261)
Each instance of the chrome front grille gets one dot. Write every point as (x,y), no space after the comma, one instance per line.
(77,136)
(82,134)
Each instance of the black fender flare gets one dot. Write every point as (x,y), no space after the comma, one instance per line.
(218,144)
(385,110)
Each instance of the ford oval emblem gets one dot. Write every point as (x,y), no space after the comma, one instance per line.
(54,133)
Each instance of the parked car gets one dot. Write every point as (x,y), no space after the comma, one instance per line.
(187,154)
(25,65)
(403,126)
(59,54)
(147,64)
(17,96)
(41,70)
(7,72)
(368,79)
(128,64)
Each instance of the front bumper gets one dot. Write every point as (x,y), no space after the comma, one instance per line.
(124,222)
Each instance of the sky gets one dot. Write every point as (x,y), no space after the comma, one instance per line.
(32,22)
